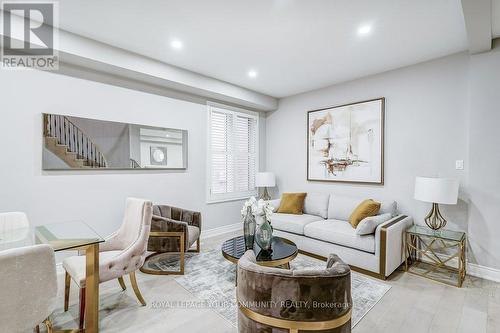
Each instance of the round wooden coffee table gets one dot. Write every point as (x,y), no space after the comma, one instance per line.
(283,251)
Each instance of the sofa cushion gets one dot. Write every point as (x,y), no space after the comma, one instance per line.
(340,207)
(388,207)
(340,233)
(316,204)
(292,223)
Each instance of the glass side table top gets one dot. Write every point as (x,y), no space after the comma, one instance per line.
(282,249)
(443,233)
(61,236)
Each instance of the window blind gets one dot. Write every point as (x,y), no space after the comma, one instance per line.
(233,153)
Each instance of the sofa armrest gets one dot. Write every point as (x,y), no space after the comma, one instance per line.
(389,242)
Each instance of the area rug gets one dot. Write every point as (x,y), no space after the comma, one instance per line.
(211,278)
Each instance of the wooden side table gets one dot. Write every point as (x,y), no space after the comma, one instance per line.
(436,255)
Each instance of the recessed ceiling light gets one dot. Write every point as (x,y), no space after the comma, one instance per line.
(252,73)
(364,29)
(176,44)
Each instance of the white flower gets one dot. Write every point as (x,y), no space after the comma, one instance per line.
(259,208)
(251,202)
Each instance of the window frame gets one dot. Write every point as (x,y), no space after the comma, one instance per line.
(232,196)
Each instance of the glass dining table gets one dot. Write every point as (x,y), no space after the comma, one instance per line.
(75,235)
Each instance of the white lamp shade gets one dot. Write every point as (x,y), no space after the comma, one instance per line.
(265,179)
(436,190)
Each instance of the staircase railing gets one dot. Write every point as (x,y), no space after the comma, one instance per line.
(134,164)
(68,134)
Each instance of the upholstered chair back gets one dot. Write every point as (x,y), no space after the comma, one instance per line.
(136,219)
(28,287)
(178,214)
(129,242)
(173,219)
(294,296)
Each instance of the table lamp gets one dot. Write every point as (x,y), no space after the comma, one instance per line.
(436,191)
(265,180)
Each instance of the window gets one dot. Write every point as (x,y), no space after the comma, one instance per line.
(232,152)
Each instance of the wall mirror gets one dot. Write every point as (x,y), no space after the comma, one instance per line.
(89,144)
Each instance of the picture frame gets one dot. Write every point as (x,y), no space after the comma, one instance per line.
(345,143)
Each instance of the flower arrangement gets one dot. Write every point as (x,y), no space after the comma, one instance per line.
(260,208)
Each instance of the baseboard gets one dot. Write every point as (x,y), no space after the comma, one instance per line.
(483,272)
(487,273)
(221,230)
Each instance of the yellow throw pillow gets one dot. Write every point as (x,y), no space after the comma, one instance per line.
(365,209)
(292,203)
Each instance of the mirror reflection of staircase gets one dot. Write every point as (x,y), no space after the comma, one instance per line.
(68,142)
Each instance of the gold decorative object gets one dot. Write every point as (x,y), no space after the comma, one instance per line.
(265,194)
(265,180)
(429,253)
(434,219)
(294,326)
(436,191)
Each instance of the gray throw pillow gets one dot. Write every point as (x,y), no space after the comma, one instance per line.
(368,225)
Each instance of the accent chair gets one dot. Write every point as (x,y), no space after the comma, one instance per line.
(122,253)
(280,300)
(172,230)
(29,288)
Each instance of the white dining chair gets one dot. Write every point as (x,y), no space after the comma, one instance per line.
(13,220)
(29,288)
(14,230)
(122,253)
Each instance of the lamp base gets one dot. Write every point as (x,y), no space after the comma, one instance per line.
(265,195)
(434,219)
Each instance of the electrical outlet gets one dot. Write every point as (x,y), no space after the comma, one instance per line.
(459,164)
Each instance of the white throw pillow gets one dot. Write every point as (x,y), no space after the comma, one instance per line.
(368,225)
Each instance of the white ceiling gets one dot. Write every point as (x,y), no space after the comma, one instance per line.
(496,18)
(294,45)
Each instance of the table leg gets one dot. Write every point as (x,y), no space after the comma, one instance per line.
(92,289)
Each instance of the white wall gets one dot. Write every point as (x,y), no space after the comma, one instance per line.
(436,112)
(95,197)
(425,123)
(484,161)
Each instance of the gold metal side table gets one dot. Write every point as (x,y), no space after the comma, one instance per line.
(437,255)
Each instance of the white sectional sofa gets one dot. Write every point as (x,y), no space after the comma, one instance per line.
(324,229)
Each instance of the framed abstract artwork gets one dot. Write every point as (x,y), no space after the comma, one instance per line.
(346,143)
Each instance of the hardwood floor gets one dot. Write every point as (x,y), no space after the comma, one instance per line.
(413,305)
